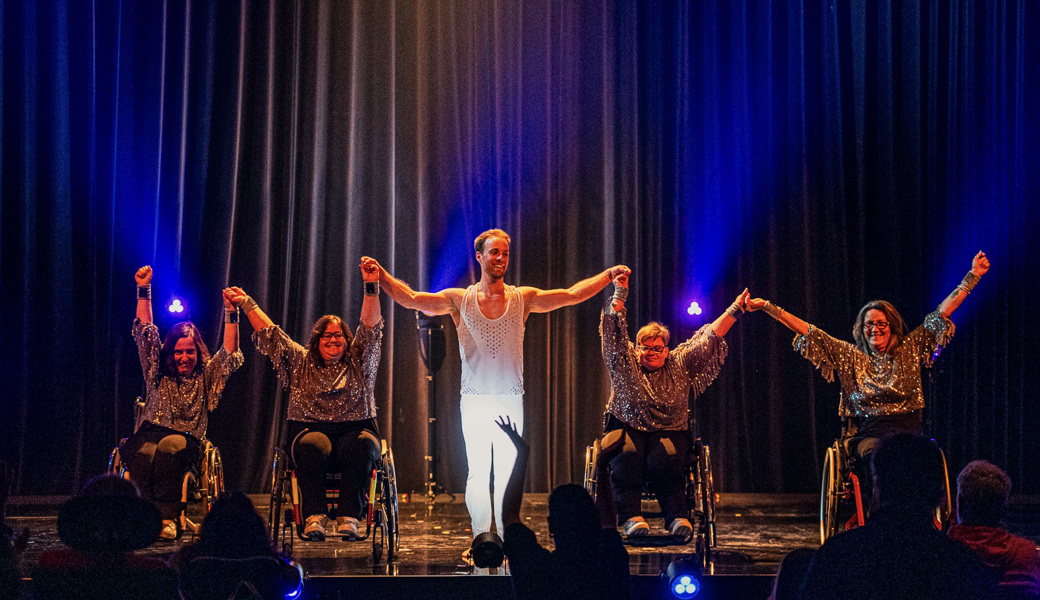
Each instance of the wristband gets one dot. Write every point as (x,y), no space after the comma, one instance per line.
(969,282)
(248,305)
(620,293)
(144,292)
(734,311)
(371,288)
(231,316)
(773,310)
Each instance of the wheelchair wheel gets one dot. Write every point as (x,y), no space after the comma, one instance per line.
(393,531)
(591,460)
(830,494)
(277,516)
(212,484)
(708,498)
(115,462)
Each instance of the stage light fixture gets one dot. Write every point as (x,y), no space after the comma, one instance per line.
(684,578)
(177,306)
(486,550)
(694,309)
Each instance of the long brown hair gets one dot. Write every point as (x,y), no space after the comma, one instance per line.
(896,327)
(181,330)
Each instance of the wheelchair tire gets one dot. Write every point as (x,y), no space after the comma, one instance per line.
(392,521)
(708,499)
(212,477)
(591,460)
(276,514)
(829,495)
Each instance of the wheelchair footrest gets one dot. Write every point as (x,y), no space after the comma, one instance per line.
(654,541)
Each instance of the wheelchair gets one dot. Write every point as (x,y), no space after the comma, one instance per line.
(202,484)
(700,492)
(381,521)
(842,505)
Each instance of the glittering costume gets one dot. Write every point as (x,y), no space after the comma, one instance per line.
(650,408)
(176,415)
(332,412)
(492,352)
(880,392)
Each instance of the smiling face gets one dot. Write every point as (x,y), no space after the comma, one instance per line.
(185,356)
(652,353)
(494,260)
(333,343)
(877,330)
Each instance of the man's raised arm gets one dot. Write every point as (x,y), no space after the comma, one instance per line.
(439,303)
(539,301)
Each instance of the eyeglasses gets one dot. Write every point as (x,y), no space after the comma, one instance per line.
(653,349)
(880,326)
(338,335)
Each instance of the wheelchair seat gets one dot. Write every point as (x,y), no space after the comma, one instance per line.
(381,521)
(842,505)
(700,493)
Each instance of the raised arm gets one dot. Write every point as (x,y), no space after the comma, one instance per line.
(790,321)
(230,325)
(538,301)
(443,302)
(726,320)
(514,493)
(257,318)
(979,266)
(143,277)
(370,305)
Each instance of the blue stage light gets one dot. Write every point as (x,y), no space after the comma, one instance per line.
(694,309)
(684,578)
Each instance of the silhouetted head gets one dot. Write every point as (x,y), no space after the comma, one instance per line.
(982,494)
(908,471)
(108,515)
(233,529)
(791,573)
(573,516)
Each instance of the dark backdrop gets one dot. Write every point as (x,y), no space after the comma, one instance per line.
(820,153)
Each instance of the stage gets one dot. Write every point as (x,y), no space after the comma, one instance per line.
(754,533)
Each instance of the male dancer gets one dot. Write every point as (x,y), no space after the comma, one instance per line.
(490,317)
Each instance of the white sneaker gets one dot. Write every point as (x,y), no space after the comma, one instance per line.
(347,527)
(314,528)
(635,526)
(681,528)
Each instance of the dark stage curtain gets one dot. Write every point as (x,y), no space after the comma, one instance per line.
(820,153)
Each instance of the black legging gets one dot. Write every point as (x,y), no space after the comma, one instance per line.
(660,457)
(351,448)
(158,458)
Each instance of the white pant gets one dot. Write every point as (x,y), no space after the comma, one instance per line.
(483,439)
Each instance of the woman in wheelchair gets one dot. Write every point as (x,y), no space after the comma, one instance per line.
(647,432)
(184,384)
(332,407)
(880,374)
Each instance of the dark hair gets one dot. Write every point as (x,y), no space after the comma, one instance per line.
(318,329)
(982,494)
(909,470)
(896,327)
(184,329)
(791,573)
(233,529)
(572,514)
(478,244)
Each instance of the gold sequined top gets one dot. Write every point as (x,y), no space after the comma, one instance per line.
(181,403)
(877,384)
(657,400)
(343,391)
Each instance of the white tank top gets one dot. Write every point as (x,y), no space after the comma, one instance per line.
(492,350)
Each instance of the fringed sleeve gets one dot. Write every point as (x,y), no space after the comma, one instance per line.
(369,342)
(146,335)
(826,353)
(286,355)
(702,356)
(931,337)
(220,366)
(616,347)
